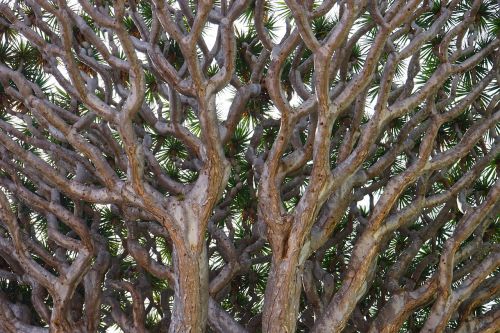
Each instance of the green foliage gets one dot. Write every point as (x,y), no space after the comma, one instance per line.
(258,128)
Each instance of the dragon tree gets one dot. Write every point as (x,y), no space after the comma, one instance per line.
(249,166)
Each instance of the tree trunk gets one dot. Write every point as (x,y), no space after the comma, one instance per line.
(190,290)
(61,321)
(282,297)
(62,325)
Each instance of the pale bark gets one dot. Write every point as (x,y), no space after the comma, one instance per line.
(281,307)
(372,192)
(190,292)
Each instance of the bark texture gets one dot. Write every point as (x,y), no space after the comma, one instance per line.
(249,166)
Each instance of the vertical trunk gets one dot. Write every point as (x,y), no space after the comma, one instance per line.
(282,296)
(190,290)
(60,320)
(62,325)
